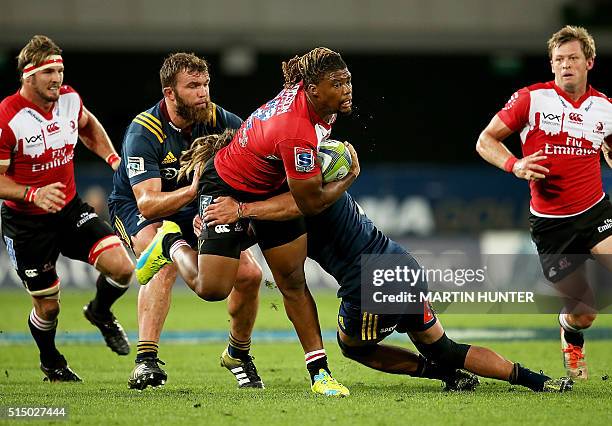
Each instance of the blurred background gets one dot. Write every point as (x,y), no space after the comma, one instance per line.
(427,77)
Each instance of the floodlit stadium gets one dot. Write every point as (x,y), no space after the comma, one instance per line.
(348,212)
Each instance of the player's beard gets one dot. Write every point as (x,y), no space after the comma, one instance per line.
(41,92)
(193,114)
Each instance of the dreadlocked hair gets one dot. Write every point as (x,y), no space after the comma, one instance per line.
(203,149)
(312,66)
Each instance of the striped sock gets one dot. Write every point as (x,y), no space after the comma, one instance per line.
(315,361)
(43,332)
(175,246)
(572,334)
(146,349)
(238,348)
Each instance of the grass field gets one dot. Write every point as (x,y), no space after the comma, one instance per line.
(200,392)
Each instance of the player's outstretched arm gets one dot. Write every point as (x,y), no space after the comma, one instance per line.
(154,203)
(491,148)
(96,139)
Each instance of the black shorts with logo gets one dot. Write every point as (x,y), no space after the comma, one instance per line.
(34,242)
(564,244)
(230,239)
(373,327)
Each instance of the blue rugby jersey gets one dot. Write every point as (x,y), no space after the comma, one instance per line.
(152,146)
(338,236)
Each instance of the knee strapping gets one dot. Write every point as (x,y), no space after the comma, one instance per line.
(354,351)
(445,351)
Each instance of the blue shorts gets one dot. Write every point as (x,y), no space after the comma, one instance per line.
(371,327)
(128,221)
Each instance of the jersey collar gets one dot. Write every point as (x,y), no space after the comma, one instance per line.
(565,96)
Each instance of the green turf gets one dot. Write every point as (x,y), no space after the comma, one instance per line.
(200,392)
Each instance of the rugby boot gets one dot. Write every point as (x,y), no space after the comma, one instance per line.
(152,258)
(147,373)
(59,372)
(461,381)
(325,384)
(244,371)
(573,359)
(562,384)
(111,330)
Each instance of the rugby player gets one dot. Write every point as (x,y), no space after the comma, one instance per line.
(274,148)
(43,215)
(146,191)
(337,239)
(563,126)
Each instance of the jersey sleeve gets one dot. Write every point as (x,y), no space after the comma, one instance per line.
(141,157)
(515,114)
(299,158)
(7,144)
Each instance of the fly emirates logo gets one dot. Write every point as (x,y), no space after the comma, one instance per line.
(58,157)
(573,146)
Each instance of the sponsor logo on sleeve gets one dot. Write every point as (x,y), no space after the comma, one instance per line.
(135,166)
(304,159)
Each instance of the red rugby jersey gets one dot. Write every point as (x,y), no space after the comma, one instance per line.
(570,134)
(280,139)
(38,146)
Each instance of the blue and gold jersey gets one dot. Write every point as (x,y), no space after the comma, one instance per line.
(338,236)
(152,146)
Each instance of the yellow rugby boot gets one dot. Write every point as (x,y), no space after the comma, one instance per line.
(152,258)
(325,384)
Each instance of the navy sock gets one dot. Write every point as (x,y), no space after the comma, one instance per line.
(146,349)
(238,348)
(525,377)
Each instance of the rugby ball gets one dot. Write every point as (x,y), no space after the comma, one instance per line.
(335,159)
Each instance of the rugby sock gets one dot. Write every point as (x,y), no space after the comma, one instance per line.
(428,369)
(168,241)
(238,349)
(572,334)
(177,245)
(315,361)
(108,291)
(43,332)
(525,377)
(146,349)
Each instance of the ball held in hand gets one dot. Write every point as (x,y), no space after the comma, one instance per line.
(335,159)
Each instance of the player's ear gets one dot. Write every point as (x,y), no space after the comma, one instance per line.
(590,63)
(312,90)
(168,93)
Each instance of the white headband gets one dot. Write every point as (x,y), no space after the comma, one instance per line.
(50,61)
